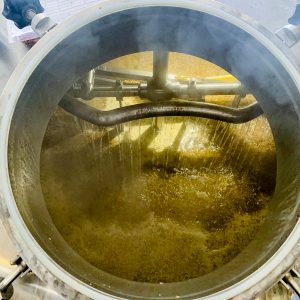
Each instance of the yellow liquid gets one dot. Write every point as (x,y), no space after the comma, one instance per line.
(158,200)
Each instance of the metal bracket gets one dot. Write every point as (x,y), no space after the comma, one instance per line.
(290,34)
(41,24)
(289,282)
(6,288)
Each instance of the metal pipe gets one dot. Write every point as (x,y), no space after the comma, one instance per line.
(113,91)
(22,267)
(164,108)
(196,89)
(117,73)
(290,281)
(160,68)
(171,90)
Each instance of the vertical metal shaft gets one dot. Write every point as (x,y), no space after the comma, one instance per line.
(160,68)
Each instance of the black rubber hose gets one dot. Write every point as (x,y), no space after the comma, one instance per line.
(163,108)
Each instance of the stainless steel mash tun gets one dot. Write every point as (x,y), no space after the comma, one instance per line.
(68,77)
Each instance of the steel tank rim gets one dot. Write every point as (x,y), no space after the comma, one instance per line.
(29,249)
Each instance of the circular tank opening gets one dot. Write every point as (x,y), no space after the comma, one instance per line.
(203,160)
(161,199)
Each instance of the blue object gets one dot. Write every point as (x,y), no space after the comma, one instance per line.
(295,18)
(295,297)
(17,11)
